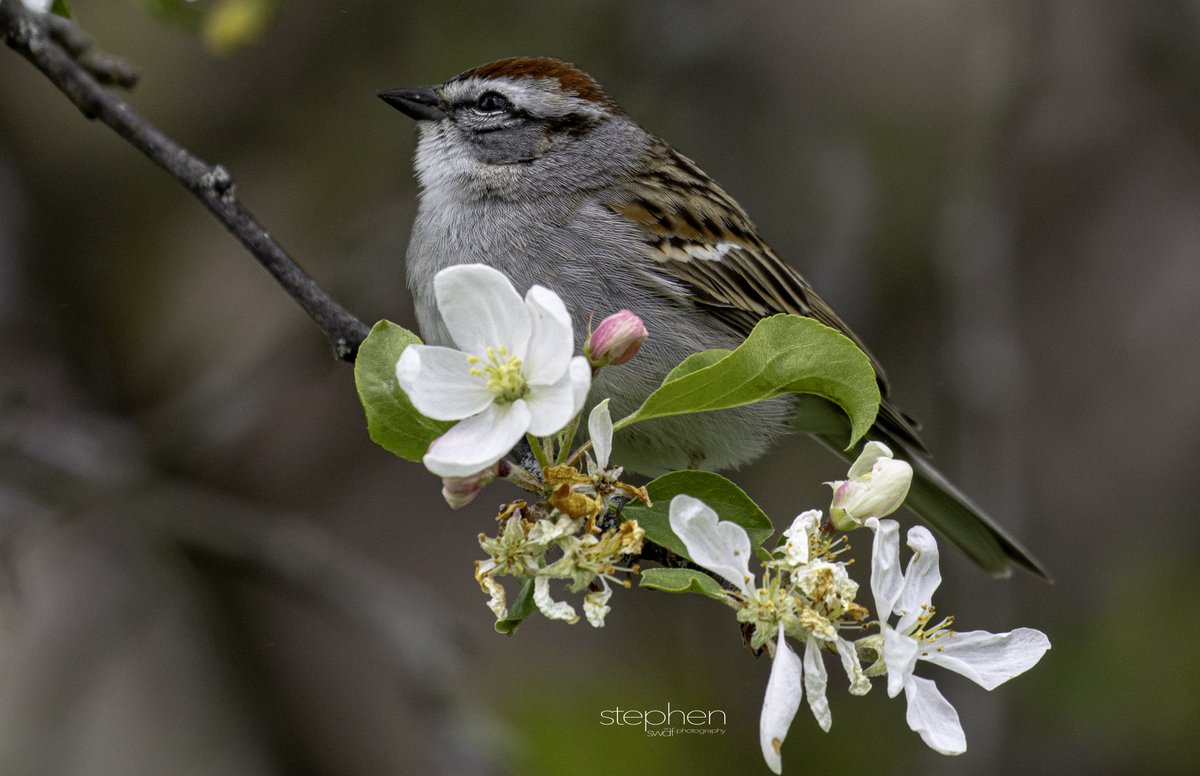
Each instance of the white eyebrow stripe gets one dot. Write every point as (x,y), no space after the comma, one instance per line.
(540,97)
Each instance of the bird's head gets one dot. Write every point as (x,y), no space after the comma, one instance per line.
(518,128)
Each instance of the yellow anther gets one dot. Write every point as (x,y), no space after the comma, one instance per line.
(503,372)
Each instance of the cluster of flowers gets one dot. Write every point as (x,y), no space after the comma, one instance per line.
(559,538)
(514,376)
(806,595)
(586,560)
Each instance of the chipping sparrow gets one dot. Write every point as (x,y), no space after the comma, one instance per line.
(526,165)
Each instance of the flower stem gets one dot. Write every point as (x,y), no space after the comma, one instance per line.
(539,452)
(568,439)
(523,479)
(628,420)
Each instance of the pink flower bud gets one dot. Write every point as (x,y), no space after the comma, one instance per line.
(460,491)
(616,339)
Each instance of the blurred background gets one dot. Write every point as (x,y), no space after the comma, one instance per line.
(209,568)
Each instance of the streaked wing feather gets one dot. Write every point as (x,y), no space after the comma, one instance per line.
(699,237)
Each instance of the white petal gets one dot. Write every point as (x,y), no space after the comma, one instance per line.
(872,452)
(600,432)
(496,598)
(931,715)
(551,343)
(479,441)
(815,681)
(595,606)
(721,547)
(581,380)
(989,659)
(886,579)
(859,683)
(797,535)
(805,524)
(552,406)
(921,578)
(900,657)
(439,382)
(544,531)
(481,309)
(551,609)
(878,495)
(784,692)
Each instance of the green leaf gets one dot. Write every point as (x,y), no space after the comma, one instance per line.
(520,609)
(814,415)
(393,422)
(696,362)
(725,498)
(682,581)
(783,354)
(61,8)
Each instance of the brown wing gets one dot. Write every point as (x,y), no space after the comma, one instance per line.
(699,237)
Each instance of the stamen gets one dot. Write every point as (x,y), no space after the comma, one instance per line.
(503,372)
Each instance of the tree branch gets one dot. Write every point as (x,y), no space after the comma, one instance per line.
(60,50)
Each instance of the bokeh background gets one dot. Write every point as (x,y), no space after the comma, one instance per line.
(209,568)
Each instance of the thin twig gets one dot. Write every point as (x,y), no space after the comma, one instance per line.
(63,53)
(107,69)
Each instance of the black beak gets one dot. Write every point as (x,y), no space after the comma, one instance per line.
(420,104)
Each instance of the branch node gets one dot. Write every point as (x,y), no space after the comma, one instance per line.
(346,350)
(111,70)
(218,183)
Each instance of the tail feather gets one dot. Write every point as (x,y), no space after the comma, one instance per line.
(956,517)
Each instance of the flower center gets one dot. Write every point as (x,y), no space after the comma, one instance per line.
(926,633)
(503,372)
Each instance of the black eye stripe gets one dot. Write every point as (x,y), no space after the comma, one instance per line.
(493,102)
(495,105)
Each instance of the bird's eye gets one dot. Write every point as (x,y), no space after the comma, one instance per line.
(492,102)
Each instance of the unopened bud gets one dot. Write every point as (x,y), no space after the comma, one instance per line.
(460,491)
(616,339)
(877,486)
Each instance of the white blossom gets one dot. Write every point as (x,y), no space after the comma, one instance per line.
(988,659)
(723,547)
(512,374)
